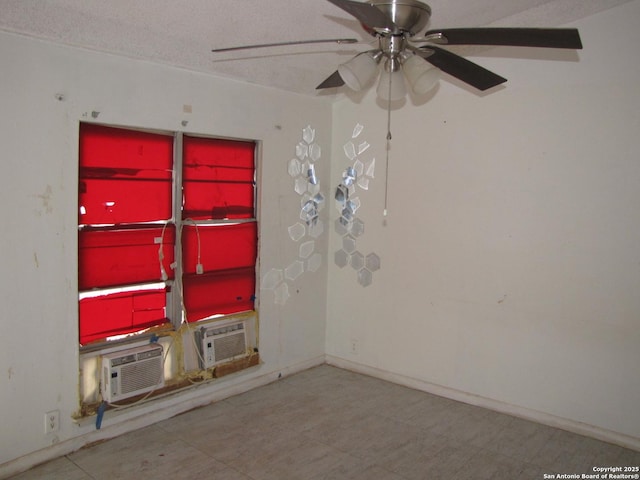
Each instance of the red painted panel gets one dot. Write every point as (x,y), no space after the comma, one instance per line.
(118,201)
(109,258)
(125,176)
(222,247)
(223,292)
(121,313)
(218,178)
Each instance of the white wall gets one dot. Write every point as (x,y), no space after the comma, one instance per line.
(511,253)
(510,257)
(38,138)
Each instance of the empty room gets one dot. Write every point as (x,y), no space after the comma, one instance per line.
(377,240)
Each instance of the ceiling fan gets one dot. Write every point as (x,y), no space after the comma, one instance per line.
(418,59)
(403,54)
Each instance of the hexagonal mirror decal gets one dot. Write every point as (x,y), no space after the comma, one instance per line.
(342,194)
(294,270)
(341,258)
(363,183)
(363,147)
(294,167)
(365,277)
(306,249)
(301,185)
(350,150)
(357,260)
(349,244)
(316,228)
(271,279)
(318,199)
(358,166)
(296,231)
(349,176)
(340,227)
(314,152)
(302,151)
(308,134)
(357,228)
(311,174)
(372,262)
(314,262)
(282,294)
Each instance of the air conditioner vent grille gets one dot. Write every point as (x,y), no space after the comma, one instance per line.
(222,343)
(132,372)
(229,346)
(136,376)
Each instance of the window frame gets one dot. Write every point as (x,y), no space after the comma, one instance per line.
(174,305)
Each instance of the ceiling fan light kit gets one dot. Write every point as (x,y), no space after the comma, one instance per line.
(361,70)
(421,75)
(391,87)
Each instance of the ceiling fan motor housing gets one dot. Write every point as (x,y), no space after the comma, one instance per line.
(410,16)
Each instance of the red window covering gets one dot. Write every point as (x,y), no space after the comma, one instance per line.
(109,258)
(117,201)
(218,178)
(121,313)
(221,292)
(228,256)
(221,246)
(125,176)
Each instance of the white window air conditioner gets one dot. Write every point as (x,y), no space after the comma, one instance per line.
(131,372)
(222,342)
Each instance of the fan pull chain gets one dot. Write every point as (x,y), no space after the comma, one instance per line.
(389,136)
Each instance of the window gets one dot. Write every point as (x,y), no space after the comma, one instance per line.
(166,231)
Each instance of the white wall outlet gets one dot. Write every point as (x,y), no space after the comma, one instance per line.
(51,421)
(354,346)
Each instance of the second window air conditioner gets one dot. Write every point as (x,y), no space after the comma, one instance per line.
(221,343)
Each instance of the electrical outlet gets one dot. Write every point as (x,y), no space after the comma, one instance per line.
(354,346)
(51,421)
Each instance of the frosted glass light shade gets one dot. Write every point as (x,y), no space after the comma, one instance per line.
(398,89)
(421,75)
(358,72)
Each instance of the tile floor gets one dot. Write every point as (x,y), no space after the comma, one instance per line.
(328,423)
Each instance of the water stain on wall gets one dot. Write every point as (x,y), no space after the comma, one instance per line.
(46,199)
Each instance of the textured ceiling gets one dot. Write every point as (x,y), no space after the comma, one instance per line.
(182,33)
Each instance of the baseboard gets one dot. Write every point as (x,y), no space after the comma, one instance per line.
(488,403)
(136,418)
(127,420)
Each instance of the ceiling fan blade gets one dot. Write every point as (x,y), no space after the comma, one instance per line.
(366,14)
(517,37)
(461,68)
(339,41)
(333,80)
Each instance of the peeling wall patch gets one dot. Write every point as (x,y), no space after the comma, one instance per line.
(46,200)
